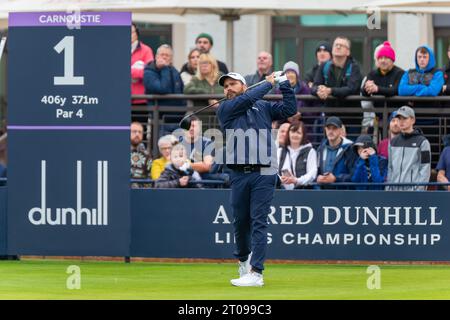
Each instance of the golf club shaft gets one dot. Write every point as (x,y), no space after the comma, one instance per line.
(224,98)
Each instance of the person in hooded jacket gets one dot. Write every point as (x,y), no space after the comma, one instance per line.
(425,79)
(369,167)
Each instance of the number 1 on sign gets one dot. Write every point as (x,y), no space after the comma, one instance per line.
(66,45)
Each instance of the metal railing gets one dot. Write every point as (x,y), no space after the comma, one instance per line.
(349,185)
(337,185)
(435,120)
(151,115)
(149,183)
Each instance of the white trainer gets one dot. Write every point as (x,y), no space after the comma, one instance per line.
(245,267)
(251,279)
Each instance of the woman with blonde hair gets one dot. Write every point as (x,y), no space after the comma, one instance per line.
(206,79)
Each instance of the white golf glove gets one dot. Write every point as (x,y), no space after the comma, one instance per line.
(278,73)
(280,77)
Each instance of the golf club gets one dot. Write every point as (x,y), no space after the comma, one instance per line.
(185,123)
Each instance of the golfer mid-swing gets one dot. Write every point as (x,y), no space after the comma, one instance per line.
(253,176)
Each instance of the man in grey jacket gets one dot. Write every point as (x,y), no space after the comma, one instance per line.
(264,64)
(409,154)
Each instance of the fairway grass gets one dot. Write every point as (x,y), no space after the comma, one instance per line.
(46,279)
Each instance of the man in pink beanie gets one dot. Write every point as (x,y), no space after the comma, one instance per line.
(383,80)
(386,51)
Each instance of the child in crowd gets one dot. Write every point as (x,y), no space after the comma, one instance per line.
(178,173)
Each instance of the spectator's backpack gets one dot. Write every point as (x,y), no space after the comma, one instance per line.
(326,71)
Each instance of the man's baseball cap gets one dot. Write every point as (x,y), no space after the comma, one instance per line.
(405,112)
(334,121)
(232,75)
(364,141)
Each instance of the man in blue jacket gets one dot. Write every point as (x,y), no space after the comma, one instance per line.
(336,157)
(245,116)
(160,77)
(425,79)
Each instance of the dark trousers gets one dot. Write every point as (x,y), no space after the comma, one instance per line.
(251,196)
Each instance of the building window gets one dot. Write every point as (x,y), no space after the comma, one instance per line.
(442,45)
(333,20)
(441,23)
(155,35)
(296,38)
(284,50)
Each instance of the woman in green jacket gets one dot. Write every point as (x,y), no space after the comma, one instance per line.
(206,79)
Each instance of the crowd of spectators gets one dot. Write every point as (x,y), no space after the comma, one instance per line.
(300,166)
(403,157)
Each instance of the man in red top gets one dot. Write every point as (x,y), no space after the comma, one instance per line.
(141,55)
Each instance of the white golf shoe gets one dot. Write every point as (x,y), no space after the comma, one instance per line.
(245,267)
(251,279)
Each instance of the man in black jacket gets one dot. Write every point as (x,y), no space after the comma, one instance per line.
(339,77)
(383,80)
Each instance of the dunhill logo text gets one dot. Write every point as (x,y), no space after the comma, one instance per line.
(79,215)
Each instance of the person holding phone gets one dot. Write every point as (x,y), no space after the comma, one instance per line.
(298,159)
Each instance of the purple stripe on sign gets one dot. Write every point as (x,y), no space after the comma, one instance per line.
(71,19)
(12,127)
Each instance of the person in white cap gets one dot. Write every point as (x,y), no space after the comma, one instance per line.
(253,176)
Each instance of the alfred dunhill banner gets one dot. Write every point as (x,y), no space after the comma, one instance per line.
(316,225)
(303,225)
